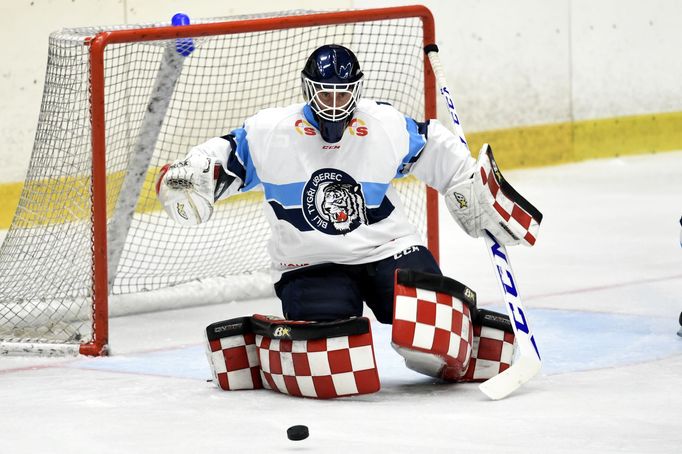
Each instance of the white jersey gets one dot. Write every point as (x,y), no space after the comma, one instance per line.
(334,202)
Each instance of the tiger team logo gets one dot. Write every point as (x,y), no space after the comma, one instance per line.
(333,202)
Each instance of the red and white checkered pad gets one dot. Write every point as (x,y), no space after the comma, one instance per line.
(518,220)
(320,368)
(434,323)
(492,353)
(234,362)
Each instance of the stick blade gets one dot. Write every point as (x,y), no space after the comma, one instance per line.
(500,386)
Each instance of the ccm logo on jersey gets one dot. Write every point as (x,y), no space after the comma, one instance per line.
(357,128)
(405,252)
(304,128)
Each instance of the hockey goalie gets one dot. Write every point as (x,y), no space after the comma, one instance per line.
(340,238)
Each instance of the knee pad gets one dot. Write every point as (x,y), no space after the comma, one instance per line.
(432,323)
(308,359)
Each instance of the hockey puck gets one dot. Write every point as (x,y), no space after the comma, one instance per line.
(297,433)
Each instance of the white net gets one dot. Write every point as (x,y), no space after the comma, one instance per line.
(46,275)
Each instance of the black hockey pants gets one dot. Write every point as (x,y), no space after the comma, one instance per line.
(332,291)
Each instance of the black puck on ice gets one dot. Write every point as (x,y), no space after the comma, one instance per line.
(297,433)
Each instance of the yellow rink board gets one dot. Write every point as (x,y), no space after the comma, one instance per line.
(558,143)
(529,146)
(68,199)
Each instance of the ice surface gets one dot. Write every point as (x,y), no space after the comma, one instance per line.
(603,291)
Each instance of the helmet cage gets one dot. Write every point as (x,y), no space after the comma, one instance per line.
(330,110)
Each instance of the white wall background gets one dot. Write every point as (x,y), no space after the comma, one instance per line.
(510,63)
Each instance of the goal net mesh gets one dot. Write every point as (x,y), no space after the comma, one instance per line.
(46,267)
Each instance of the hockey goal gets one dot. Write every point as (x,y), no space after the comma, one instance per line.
(89,238)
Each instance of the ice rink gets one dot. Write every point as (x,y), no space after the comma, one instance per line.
(603,292)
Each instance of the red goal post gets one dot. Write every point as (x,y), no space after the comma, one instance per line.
(101,85)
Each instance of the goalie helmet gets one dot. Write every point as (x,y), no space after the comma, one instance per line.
(332,81)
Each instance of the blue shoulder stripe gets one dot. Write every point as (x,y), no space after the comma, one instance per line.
(417,135)
(240,162)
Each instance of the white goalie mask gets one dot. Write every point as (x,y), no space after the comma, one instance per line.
(332,102)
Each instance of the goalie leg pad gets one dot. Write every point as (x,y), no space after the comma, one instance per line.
(432,326)
(494,346)
(316,359)
(232,354)
(300,358)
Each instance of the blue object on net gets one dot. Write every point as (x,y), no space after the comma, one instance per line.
(183,46)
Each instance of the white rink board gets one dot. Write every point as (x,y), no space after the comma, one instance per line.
(509,63)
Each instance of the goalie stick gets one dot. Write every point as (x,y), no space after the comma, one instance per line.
(529,362)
